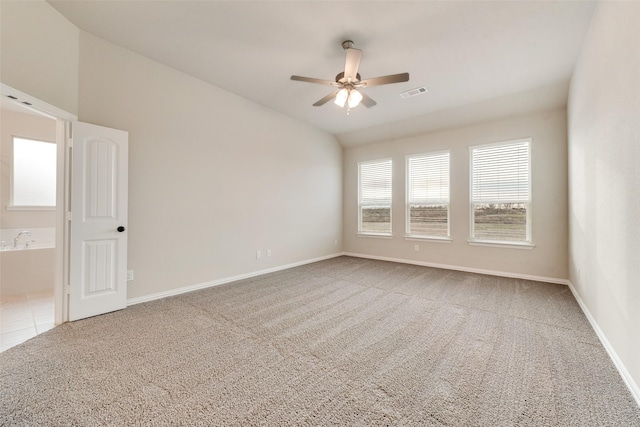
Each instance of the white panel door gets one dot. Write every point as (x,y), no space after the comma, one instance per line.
(98,258)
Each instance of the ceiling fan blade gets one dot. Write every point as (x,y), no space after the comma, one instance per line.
(326,99)
(384,80)
(314,80)
(351,64)
(367,101)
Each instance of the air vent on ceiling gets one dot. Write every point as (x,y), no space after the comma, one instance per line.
(414,92)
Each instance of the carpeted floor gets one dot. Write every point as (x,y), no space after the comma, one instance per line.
(345,341)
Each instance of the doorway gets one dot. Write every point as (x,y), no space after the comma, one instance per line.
(32,221)
(90,215)
(27,223)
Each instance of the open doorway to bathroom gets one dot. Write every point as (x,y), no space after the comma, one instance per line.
(28,222)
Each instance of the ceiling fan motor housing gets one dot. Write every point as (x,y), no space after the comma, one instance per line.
(340,78)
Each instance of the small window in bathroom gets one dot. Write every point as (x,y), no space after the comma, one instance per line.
(33,179)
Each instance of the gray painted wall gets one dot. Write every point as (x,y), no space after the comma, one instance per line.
(604,178)
(549,195)
(212,177)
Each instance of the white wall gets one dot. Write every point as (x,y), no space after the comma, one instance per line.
(39,50)
(212,177)
(13,124)
(549,194)
(604,178)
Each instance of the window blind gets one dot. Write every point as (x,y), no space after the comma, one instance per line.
(428,195)
(374,197)
(429,178)
(500,193)
(375,183)
(500,173)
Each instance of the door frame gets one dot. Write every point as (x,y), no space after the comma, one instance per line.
(63,186)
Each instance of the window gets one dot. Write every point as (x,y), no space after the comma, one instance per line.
(33,179)
(428,195)
(501,192)
(374,197)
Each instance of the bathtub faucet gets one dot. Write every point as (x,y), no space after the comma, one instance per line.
(15,239)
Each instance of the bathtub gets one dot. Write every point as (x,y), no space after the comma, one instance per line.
(27,268)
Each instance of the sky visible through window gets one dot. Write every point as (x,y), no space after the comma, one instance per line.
(34,173)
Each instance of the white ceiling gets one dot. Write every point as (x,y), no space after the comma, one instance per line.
(465,53)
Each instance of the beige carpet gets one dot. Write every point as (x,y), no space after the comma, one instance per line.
(341,342)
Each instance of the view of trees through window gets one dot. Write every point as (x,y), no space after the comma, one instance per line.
(429,220)
(374,197)
(499,189)
(376,220)
(505,221)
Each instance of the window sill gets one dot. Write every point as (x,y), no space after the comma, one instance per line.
(31,208)
(494,244)
(375,235)
(428,239)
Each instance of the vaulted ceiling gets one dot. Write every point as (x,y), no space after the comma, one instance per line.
(465,53)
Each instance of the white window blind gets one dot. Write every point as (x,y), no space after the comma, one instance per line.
(501,193)
(428,195)
(374,197)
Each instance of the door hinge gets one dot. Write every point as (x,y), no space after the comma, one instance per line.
(67,290)
(69,143)
(68,216)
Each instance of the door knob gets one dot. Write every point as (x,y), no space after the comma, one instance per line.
(121,229)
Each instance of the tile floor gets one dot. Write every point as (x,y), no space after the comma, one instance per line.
(24,316)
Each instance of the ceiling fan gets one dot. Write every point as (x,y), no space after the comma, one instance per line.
(348,82)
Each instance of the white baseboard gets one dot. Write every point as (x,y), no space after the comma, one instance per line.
(624,373)
(626,377)
(465,269)
(198,286)
(190,288)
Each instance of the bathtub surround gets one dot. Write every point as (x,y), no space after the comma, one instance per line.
(27,271)
(40,238)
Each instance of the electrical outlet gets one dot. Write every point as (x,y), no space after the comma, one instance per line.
(417,248)
(129,275)
(258,254)
(268,253)
(335,242)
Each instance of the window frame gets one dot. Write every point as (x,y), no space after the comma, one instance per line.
(522,244)
(11,205)
(416,236)
(360,232)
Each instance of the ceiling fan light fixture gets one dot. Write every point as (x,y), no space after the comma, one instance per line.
(341,97)
(354,98)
